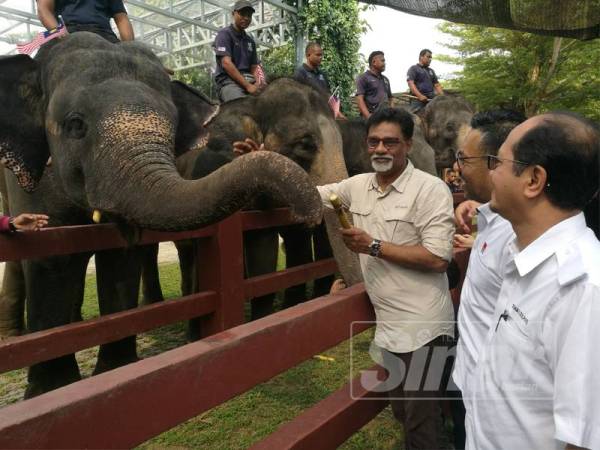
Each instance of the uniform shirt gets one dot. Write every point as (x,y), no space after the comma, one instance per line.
(480,290)
(375,88)
(424,78)
(537,382)
(314,77)
(88,12)
(412,307)
(239,46)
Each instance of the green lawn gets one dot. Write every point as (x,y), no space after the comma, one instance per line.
(249,417)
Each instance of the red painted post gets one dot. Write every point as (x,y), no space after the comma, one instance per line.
(221,269)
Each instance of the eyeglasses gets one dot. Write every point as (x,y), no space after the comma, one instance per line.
(461,159)
(388,143)
(493,162)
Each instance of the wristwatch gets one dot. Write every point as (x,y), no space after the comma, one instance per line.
(11,224)
(375,248)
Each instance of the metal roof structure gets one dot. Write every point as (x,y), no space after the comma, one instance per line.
(180,32)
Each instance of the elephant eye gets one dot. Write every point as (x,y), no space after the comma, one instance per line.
(74,126)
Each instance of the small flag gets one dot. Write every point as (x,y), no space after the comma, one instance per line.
(334,102)
(261,79)
(41,38)
(483,247)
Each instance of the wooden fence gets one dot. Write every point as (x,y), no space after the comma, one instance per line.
(131,404)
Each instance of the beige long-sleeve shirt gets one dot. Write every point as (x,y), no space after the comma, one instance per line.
(412,307)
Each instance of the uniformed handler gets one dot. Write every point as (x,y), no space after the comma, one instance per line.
(373,90)
(237,60)
(423,82)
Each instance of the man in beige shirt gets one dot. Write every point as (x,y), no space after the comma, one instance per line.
(403,229)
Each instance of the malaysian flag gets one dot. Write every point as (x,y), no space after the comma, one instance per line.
(41,38)
(261,79)
(334,102)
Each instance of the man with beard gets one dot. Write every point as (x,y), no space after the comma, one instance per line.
(403,227)
(423,82)
(373,89)
(237,60)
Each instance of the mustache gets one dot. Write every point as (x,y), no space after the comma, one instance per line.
(380,157)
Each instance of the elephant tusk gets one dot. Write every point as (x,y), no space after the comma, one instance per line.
(96,216)
(337,205)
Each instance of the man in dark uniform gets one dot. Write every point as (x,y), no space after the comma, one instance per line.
(87,15)
(310,72)
(422,81)
(237,61)
(373,90)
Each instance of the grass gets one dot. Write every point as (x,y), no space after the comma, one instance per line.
(253,415)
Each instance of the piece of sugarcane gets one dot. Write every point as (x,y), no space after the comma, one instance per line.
(96,216)
(339,209)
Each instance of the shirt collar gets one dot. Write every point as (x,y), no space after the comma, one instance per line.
(309,69)
(399,183)
(236,32)
(553,241)
(374,74)
(485,212)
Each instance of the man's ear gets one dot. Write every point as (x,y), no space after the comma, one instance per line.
(23,146)
(195,109)
(536,181)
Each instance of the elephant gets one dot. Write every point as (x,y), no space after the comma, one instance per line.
(112,123)
(444,118)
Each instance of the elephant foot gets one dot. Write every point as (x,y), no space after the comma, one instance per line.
(106,365)
(50,375)
(116,354)
(149,300)
(10,330)
(262,306)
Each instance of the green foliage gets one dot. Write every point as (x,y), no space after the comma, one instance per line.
(200,79)
(524,71)
(280,61)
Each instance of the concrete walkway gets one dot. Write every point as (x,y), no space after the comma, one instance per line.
(166,253)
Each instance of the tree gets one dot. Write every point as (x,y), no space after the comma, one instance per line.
(526,72)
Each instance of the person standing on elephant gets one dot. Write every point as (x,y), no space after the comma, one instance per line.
(25,221)
(373,90)
(87,15)
(237,60)
(423,82)
(403,227)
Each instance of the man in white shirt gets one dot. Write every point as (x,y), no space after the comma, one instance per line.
(482,282)
(536,383)
(403,227)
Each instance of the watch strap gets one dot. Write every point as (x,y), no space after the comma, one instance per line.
(375,248)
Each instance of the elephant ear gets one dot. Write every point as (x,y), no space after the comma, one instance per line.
(195,109)
(23,145)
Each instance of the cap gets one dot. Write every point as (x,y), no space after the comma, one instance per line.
(241,4)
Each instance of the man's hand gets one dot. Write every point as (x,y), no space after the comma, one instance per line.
(251,88)
(464,213)
(246,146)
(463,241)
(357,240)
(30,221)
(423,99)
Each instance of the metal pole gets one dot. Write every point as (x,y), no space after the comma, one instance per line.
(300,40)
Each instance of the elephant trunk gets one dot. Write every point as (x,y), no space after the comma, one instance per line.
(156,197)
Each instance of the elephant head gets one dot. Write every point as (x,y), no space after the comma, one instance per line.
(443,119)
(112,122)
(294,120)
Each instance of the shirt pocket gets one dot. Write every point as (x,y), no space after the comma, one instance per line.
(400,223)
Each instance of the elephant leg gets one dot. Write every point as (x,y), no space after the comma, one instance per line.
(118,272)
(12,300)
(151,290)
(260,254)
(298,250)
(187,264)
(53,287)
(322,251)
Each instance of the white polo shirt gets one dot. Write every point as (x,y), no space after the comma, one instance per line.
(480,290)
(537,381)
(412,307)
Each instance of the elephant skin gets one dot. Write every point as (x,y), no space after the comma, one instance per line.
(113,122)
(444,118)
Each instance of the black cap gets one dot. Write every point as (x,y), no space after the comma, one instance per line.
(242,4)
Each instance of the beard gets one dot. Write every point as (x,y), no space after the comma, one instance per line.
(382,166)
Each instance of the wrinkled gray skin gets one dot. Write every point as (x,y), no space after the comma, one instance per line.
(354,135)
(294,120)
(443,118)
(113,122)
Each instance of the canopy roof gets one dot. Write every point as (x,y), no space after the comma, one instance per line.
(569,18)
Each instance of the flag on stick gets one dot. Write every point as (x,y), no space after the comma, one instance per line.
(334,102)
(261,78)
(41,38)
